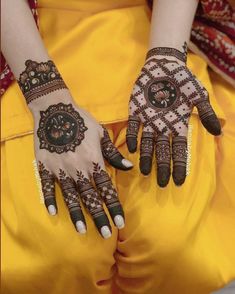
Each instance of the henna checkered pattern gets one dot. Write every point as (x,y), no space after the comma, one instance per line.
(89,196)
(69,191)
(172,119)
(106,188)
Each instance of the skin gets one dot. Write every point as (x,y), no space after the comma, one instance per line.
(23,42)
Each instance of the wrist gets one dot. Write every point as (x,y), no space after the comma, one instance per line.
(41,83)
(169,53)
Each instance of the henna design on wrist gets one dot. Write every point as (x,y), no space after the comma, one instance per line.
(48,184)
(167,51)
(39,79)
(61,128)
(107,190)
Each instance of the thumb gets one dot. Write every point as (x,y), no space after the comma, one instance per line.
(208,117)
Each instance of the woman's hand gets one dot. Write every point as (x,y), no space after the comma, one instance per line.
(70,147)
(162,100)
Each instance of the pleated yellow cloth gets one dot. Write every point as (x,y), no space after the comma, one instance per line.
(176,240)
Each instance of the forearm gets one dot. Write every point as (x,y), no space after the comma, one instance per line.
(27,56)
(171,23)
(20,37)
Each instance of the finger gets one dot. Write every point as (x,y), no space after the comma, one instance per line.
(109,195)
(93,203)
(179,156)
(146,152)
(48,188)
(132,133)
(209,118)
(111,153)
(71,199)
(163,160)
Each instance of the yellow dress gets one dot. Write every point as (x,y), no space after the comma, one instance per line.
(177,240)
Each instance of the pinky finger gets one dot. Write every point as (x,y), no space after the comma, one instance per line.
(48,188)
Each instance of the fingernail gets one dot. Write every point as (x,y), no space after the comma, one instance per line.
(51,209)
(81,227)
(105,232)
(119,221)
(126,163)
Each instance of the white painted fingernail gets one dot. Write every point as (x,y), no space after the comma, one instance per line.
(81,227)
(105,232)
(51,209)
(126,163)
(119,221)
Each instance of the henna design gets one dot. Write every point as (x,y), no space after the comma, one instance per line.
(163,158)
(179,151)
(39,79)
(107,190)
(167,51)
(48,184)
(61,128)
(71,199)
(146,146)
(162,100)
(69,191)
(161,93)
(108,149)
(163,154)
(133,127)
(179,154)
(89,196)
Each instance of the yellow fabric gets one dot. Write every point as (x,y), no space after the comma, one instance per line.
(99,48)
(176,240)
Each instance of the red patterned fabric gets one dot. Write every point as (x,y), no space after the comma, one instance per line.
(212,37)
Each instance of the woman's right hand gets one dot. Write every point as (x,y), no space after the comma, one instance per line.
(70,147)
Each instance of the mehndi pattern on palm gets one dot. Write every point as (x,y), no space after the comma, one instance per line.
(162,100)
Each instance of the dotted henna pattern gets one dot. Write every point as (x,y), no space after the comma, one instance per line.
(61,128)
(39,79)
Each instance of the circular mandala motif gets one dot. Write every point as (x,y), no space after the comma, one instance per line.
(61,128)
(161,93)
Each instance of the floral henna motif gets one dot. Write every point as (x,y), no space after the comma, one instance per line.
(48,184)
(39,79)
(107,190)
(61,128)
